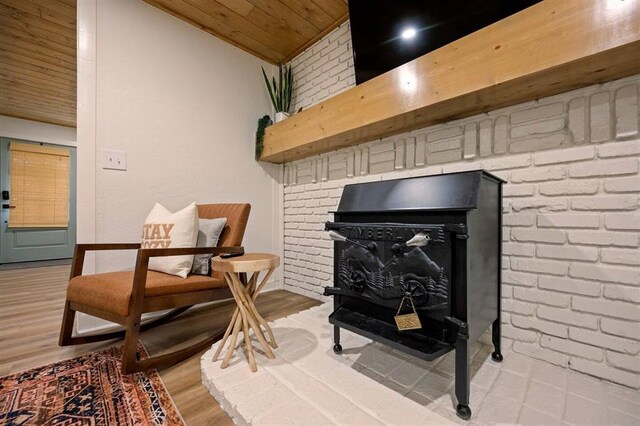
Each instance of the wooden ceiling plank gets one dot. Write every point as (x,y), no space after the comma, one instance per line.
(287,37)
(63,90)
(37,31)
(39,41)
(23,6)
(43,118)
(287,17)
(268,30)
(212,15)
(44,88)
(38,60)
(55,17)
(160,4)
(72,3)
(218,29)
(39,104)
(13,59)
(335,8)
(18,106)
(37,116)
(314,40)
(32,50)
(35,87)
(246,27)
(27,6)
(54,88)
(21,68)
(48,93)
(54,107)
(70,11)
(10,74)
(29,19)
(311,13)
(241,7)
(7,57)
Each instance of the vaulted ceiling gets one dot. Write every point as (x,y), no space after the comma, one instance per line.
(274,30)
(38,60)
(38,43)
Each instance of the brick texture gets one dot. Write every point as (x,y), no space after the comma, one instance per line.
(324,69)
(571,282)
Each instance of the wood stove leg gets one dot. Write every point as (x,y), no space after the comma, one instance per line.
(462,377)
(337,348)
(496,335)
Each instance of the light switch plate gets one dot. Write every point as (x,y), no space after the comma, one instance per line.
(114,160)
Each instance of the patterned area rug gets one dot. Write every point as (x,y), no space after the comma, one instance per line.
(87,390)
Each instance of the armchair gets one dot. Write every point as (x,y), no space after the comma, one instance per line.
(122,297)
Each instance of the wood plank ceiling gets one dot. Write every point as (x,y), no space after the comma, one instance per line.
(38,43)
(274,30)
(38,60)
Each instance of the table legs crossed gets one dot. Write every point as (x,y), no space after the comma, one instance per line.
(246,317)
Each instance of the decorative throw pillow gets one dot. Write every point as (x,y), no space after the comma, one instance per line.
(163,229)
(208,236)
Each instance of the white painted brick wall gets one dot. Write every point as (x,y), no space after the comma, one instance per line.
(571,283)
(324,69)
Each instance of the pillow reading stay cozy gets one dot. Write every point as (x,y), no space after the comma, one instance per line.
(163,229)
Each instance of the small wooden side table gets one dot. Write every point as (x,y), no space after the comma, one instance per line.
(246,315)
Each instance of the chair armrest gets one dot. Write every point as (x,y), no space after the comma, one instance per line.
(142,266)
(107,246)
(160,252)
(81,249)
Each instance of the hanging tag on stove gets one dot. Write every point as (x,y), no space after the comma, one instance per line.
(407,321)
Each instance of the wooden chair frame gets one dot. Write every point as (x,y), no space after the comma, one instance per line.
(139,304)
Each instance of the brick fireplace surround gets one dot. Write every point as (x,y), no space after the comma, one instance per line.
(571,278)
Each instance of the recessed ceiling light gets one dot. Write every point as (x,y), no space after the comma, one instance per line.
(408,33)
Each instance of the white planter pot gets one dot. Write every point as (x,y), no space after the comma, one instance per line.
(281,116)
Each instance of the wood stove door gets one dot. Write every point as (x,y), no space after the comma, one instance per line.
(384,263)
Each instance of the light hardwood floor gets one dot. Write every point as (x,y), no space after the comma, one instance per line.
(31,302)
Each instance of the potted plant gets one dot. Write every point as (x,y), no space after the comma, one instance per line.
(280,91)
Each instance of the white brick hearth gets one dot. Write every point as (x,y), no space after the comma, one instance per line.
(370,384)
(571,278)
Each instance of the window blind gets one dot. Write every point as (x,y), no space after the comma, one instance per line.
(39,186)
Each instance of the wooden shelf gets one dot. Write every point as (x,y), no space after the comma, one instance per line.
(550,48)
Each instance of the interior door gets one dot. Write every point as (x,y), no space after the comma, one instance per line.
(38,215)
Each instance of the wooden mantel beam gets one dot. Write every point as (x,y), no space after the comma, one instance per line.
(552,47)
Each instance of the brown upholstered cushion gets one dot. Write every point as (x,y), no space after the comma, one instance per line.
(111,291)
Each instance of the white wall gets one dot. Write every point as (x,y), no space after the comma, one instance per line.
(571,275)
(18,128)
(184,106)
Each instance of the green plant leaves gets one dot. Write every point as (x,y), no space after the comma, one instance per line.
(266,80)
(263,123)
(280,91)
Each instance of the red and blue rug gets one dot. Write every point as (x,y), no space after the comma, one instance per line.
(87,390)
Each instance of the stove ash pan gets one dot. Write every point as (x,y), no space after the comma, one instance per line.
(428,245)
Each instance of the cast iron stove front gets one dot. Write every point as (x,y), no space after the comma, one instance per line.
(380,271)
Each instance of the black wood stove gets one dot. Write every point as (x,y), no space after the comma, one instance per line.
(421,255)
